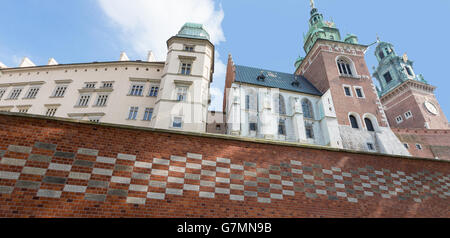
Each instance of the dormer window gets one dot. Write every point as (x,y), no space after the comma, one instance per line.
(261,77)
(408,71)
(387,76)
(381,54)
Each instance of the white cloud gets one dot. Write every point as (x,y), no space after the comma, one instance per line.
(148,24)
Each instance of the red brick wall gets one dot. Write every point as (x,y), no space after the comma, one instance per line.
(434,143)
(64,169)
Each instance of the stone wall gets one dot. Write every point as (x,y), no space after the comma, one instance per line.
(62,168)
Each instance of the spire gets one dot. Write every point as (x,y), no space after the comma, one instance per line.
(150,56)
(313,5)
(3,66)
(52,61)
(123,57)
(26,63)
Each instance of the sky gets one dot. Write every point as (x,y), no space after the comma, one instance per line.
(258,33)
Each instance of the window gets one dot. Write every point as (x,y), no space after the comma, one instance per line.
(408,115)
(399,119)
(387,76)
(419,146)
(177,122)
(148,114)
(282,127)
(51,112)
(60,91)
(307,109)
(154,92)
(406,145)
(218,127)
(189,48)
(89,85)
(369,124)
(186,68)
(23,110)
(2,92)
(107,85)
(353,122)
(32,92)
(133,113)
(247,102)
(359,92)
(15,93)
(344,67)
(281,105)
(408,71)
(309,131)
(370,146)
(84,100)
(136,90)
(101,100)
(381,54)
(253,126)
(95,119)
(181,94)
(348,91)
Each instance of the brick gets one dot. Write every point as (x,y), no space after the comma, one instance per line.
(95,197)
(49,193)
(126,157)
(190,187)
(134,200)
(19,149)
(206,195)
(74,188)
(159,196)
(194,156)
(144,165)
(138,188)
(178,158)
(34,171)
(28,184)
(6,190)
(122,180)
(81,176)
(118,192)
(173,191)
(104,172)
(84,163)
(83,151)
(13,162)
(40,158)
(66,155)
(98,184)
(123,168)
(106,160)
(60,167)
(45,146)
(54,180)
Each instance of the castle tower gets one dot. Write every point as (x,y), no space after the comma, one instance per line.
(338,69)
(184,95)
(408,100)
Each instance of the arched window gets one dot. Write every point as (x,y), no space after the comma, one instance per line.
(344,67)
(369,124)
(353,122)
(282,127)
(279,104)
(307,109)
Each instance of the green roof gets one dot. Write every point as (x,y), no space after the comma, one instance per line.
(193,30)
(273,79)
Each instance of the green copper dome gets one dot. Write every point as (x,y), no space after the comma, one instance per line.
(193,30)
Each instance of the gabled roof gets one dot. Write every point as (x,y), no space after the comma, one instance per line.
(275,79)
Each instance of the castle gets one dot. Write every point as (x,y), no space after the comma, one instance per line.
(330,100)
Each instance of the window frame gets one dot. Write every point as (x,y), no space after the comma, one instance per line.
(148,114)
(2,92)
(154,91)
(354,124)
(60,86)
(105,101)
(51,111)
(349,90)
(363,95)
(133,113)
(408,113)
(187,70)
(172,124)
(30,91)
(13,95)
(85,102)
(137,88)
(184,93)
(399,121)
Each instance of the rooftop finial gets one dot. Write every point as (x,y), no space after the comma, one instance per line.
(313,4)
(378,39)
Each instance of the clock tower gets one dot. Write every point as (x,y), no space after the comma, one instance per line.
(408,100)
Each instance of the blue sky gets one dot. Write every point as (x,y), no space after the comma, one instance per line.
(266,34)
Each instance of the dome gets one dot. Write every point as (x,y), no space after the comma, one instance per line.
(193,30)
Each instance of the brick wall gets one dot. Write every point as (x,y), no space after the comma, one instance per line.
(59,168)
